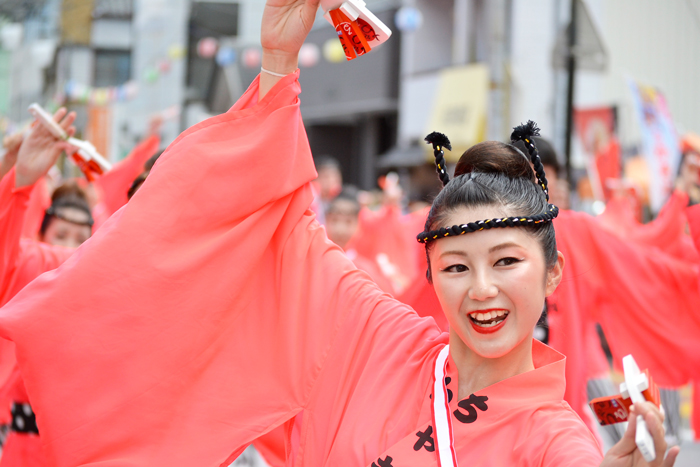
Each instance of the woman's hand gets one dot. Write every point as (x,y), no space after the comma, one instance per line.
(40,150)
(11,144)
(626,454)
(285,25)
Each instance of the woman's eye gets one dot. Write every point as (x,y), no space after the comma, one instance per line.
(456,268)
(507,261)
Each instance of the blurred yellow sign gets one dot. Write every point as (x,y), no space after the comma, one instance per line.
(76,21)
(460,109)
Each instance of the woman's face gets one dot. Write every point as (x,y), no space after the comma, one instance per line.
(61,232)
(491,284)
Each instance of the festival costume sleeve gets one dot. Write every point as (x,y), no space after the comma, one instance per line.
(693,215)
(644,299)
(569,447)
(570,322)
(420,295)
(115,183)
(666,231)
(13,205)
(39,202)
(200,316)
(422,298)
(375,273)
(21,260)
(383,237)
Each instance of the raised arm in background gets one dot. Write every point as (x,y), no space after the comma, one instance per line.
(23,260)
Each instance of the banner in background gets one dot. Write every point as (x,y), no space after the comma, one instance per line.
(460,114)
(597,129)
(659,141)
(99,126)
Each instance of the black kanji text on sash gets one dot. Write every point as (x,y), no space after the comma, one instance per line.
(384,463)
(470,405)
(425,440)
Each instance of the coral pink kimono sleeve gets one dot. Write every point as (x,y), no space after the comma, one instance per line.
(666,231)
(625,286)
(693,215)
(201,315)
(21,260)
(383,237)
(114,184)
(39,202)
(13,205)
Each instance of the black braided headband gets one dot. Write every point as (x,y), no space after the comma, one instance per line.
(520,133)
(53,212)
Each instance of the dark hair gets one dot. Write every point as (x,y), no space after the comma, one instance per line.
(495,174)
(66,196)
(148,165)
(69,189)
(138,181)
(326,162)
(136,184)
(349,193)
(548,155)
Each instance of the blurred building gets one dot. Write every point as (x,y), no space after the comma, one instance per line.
(120,63)
(28,34)
(473,68)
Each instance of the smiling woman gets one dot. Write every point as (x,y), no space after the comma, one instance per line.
(492,283)
(208,361)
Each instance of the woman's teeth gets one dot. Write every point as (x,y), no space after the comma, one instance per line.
(489,318)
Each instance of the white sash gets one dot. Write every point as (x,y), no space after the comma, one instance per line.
(442,418)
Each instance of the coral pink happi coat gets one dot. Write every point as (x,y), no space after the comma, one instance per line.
(212,309)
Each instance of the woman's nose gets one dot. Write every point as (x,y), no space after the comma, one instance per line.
(482,288)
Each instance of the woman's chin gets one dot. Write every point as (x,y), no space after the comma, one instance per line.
(491,350)
(490,345)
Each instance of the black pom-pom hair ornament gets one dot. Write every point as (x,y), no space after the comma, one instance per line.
(440,142)
(524,133)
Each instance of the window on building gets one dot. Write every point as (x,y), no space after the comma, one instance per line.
(115,9)
(112,67)
(208,19)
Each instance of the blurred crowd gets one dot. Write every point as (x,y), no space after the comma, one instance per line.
(45,217)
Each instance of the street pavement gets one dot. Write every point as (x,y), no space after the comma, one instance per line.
(689,456)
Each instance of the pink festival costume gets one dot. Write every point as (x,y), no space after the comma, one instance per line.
(113,186)
(693,215)
(22,260)
(212,308)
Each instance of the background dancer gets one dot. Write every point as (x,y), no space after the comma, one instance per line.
(207,365)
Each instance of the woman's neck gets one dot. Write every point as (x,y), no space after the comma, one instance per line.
(477,372)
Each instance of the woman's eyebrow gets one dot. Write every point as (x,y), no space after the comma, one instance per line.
(454,252)
(503,246)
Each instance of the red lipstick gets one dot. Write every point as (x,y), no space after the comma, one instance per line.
(489,330)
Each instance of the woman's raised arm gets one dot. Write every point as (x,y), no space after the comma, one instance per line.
(285,25)
(200,315)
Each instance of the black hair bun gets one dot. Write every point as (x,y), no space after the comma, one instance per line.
(495,157)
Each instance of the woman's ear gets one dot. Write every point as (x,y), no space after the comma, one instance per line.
(554,275)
